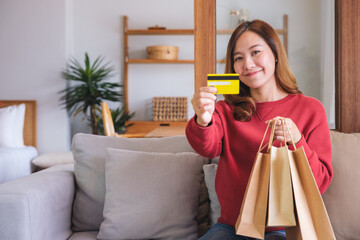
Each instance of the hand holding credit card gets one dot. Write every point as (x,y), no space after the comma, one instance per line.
(224,83)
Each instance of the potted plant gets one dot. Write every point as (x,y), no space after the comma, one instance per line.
(88,89)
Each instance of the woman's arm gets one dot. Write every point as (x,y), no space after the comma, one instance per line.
(204,131)
(317,146)
(206,141)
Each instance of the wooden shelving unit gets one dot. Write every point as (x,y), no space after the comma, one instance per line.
(146,32)
(160,32)
(158,61)
(145,127)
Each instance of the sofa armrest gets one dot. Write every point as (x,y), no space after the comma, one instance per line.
(38,206)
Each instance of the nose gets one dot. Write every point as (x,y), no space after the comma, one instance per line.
(248,63)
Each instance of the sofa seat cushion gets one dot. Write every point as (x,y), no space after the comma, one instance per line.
(342,195)
(151,195)
(89,153)
(91,235)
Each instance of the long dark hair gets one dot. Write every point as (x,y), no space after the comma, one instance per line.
(244,104)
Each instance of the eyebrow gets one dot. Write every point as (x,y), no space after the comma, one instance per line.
(251,47)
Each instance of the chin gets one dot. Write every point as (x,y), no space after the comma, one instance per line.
(254,86)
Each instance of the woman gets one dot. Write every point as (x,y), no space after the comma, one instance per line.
(233,128)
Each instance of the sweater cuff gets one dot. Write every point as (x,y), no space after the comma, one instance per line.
(301,143)
(209,124)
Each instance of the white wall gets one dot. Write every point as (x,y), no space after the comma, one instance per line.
(38,37)
(32,53)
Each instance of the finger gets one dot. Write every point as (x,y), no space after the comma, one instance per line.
(289,123)
(201,95)
(207,95)
(208,89)
(279,132)
(203,101)
(280,138)
(277,120)
(208,107)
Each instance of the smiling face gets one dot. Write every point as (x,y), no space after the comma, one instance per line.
(254,62)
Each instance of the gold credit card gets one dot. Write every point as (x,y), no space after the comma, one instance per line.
(224,83)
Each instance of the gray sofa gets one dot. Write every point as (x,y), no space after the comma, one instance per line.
(146,189)
(124,189)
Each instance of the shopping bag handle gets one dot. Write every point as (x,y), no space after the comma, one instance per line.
(272,133)
(271,139)
(283,122)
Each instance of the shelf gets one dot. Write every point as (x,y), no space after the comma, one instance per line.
(153,61)
(144,127)
(179,61)
(160,32)
(230,31)
(180,32)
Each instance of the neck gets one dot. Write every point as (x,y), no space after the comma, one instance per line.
(267,95)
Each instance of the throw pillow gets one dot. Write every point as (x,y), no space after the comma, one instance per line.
(215,209)
(151,195)
(52,159)
(342,193)
(12,126)
(89,168)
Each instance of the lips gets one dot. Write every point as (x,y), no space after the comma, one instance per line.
(249,74)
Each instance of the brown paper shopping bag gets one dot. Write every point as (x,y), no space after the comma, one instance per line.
(281,205)
(252,217)
(313,220)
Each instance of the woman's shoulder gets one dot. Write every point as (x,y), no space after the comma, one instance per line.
(310,106)
(308,101)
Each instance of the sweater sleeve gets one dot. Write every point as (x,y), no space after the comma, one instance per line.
(206,141)
(317,146)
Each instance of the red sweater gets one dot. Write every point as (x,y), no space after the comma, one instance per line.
(237,144)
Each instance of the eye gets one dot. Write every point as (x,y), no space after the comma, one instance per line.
(255,52)
(238,59)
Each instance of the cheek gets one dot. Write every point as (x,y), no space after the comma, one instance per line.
(268,63)
(237,67)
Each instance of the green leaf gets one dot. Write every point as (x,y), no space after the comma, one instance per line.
(89,87)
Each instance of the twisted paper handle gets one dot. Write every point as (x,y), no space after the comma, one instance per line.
(271,139)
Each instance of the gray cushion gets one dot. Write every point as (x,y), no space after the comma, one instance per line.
(38,206)
(151,195)
(89,157)
(342,195)
(215,209)
(202,217)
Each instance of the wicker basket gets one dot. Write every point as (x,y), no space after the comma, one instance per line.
(170,109)
(162,52)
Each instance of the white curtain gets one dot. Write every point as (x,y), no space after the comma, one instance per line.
(328,59)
